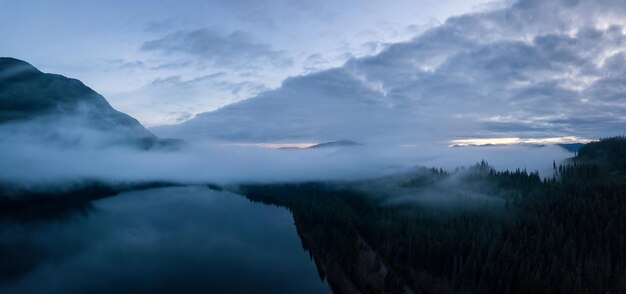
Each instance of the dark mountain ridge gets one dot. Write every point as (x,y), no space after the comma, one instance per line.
(52,108)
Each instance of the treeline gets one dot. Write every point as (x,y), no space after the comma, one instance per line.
(610,152)
(561,234)
(24,203)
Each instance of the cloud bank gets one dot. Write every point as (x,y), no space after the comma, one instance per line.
(36,166)
(534,69)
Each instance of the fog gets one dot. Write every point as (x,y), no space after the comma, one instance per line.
(30,164)
(189,238)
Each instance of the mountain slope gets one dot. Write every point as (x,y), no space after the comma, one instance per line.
(49,108)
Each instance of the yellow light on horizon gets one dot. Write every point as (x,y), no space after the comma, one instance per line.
(516,140)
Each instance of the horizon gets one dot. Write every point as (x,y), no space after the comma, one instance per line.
(313,146)
(506,77)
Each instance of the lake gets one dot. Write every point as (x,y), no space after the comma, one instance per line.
(183,239)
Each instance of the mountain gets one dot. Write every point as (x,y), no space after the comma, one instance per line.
(571,147)
(340,143)
(50,108)
(331,144)
(609,152)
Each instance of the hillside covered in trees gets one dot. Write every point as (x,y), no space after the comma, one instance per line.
(473,230)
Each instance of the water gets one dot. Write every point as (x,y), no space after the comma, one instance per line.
(188,239)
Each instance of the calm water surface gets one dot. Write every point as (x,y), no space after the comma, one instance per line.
(188,239)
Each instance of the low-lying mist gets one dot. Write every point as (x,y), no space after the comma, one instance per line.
(32,165)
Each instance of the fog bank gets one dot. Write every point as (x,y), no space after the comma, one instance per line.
(35,164)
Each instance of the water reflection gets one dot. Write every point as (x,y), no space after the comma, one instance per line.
(188,239)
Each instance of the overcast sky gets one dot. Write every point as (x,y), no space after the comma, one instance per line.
(163,61)
(310,71)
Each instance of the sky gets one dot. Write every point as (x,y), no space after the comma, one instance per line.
(312,71)
(165,61)
(529,70)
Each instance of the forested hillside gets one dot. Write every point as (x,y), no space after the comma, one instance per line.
(474,230)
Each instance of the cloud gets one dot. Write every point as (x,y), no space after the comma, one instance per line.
(123,64)
(536,68)
(40,166)
(175,99)
(218,48)
(193,71)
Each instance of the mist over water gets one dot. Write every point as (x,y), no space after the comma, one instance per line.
(35,165)
(313,146)
(191,238)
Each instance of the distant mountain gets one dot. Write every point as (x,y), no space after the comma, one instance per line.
(571,147)
(51,108)
(340,143)
(331,144)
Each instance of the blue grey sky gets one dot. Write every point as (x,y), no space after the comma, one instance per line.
(311,71)
(165,61)
(530,69)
